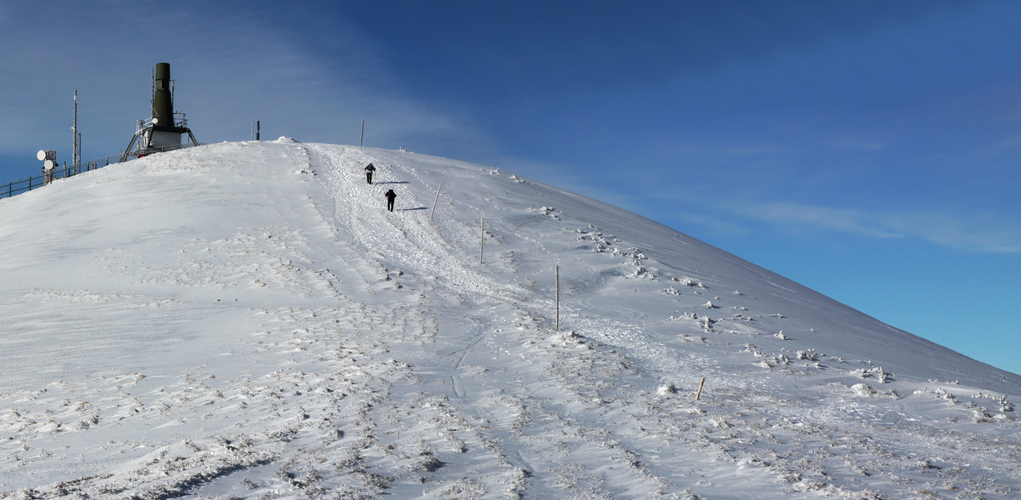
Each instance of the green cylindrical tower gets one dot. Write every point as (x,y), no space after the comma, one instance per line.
(162,99)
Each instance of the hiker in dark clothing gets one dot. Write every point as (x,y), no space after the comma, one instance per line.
(390,195)
(368,173)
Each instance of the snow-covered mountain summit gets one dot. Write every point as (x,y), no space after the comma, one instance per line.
(248,320)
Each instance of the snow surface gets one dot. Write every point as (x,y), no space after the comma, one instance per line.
(246,320)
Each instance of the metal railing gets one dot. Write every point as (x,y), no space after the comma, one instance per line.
(131,155)
(37,181)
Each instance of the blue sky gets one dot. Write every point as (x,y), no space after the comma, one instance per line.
(866,149)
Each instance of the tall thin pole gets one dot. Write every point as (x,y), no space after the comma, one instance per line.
(74,129)
(362,137)
(558,297)
(434,201)
(76,155)
(482,237)
(258,130)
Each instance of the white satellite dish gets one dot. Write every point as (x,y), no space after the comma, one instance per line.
(49,165)
(155,121)
(41,155)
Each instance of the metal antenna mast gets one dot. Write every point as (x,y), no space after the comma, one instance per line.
(76,155)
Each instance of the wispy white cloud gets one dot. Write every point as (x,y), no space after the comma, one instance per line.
(719,151)
(232,68)
(857,144)
(982,232)
(1010,142)
(804,216)
(986,232)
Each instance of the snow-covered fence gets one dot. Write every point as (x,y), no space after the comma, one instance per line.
(27,184)
(37,181)
(20,186)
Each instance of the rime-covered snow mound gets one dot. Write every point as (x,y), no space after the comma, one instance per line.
(247,320)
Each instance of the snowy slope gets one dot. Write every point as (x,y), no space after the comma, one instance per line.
(247,320)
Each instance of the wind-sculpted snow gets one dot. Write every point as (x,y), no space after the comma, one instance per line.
(247,320)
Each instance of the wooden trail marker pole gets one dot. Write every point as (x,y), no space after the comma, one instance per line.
(361,137)
(700,389)
(482,237)
(431,212)
(558,297)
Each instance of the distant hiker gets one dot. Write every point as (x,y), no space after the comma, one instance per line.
(368,173)
(390,195)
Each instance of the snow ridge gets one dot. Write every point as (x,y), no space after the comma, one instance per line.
(246,320)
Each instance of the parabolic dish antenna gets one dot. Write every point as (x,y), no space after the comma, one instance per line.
(48,165)
(41,155)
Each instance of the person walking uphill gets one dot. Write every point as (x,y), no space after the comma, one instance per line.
(390,195)
(368,173)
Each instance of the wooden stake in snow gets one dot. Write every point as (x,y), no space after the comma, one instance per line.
(361,137)
(700,389)
(431,212)
(558,297)
(482,237)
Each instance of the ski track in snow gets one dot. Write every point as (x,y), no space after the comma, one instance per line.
(255,324)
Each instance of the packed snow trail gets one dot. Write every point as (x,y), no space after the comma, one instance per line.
(246,320)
